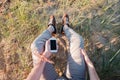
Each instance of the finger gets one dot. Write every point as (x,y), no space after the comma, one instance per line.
(47,42)
(82,51)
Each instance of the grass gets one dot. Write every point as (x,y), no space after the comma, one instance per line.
(22,21)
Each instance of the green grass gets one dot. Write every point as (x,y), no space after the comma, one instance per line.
(22,21)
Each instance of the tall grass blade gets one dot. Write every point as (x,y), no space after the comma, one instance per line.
(111,60)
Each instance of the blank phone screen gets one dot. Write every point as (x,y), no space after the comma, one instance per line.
(53,44)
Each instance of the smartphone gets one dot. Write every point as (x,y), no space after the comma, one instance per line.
(53,45)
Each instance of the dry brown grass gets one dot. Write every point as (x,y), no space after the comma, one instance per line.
(22,21)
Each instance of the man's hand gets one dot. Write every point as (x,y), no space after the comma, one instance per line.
(91,69)
(87,60)
(41,64)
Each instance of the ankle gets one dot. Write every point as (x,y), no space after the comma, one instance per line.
(52,22)
(65,19)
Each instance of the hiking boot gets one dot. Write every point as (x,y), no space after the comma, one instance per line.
(65,21)
(52,22)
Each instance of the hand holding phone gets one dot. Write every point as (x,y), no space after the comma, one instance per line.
(53,45)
